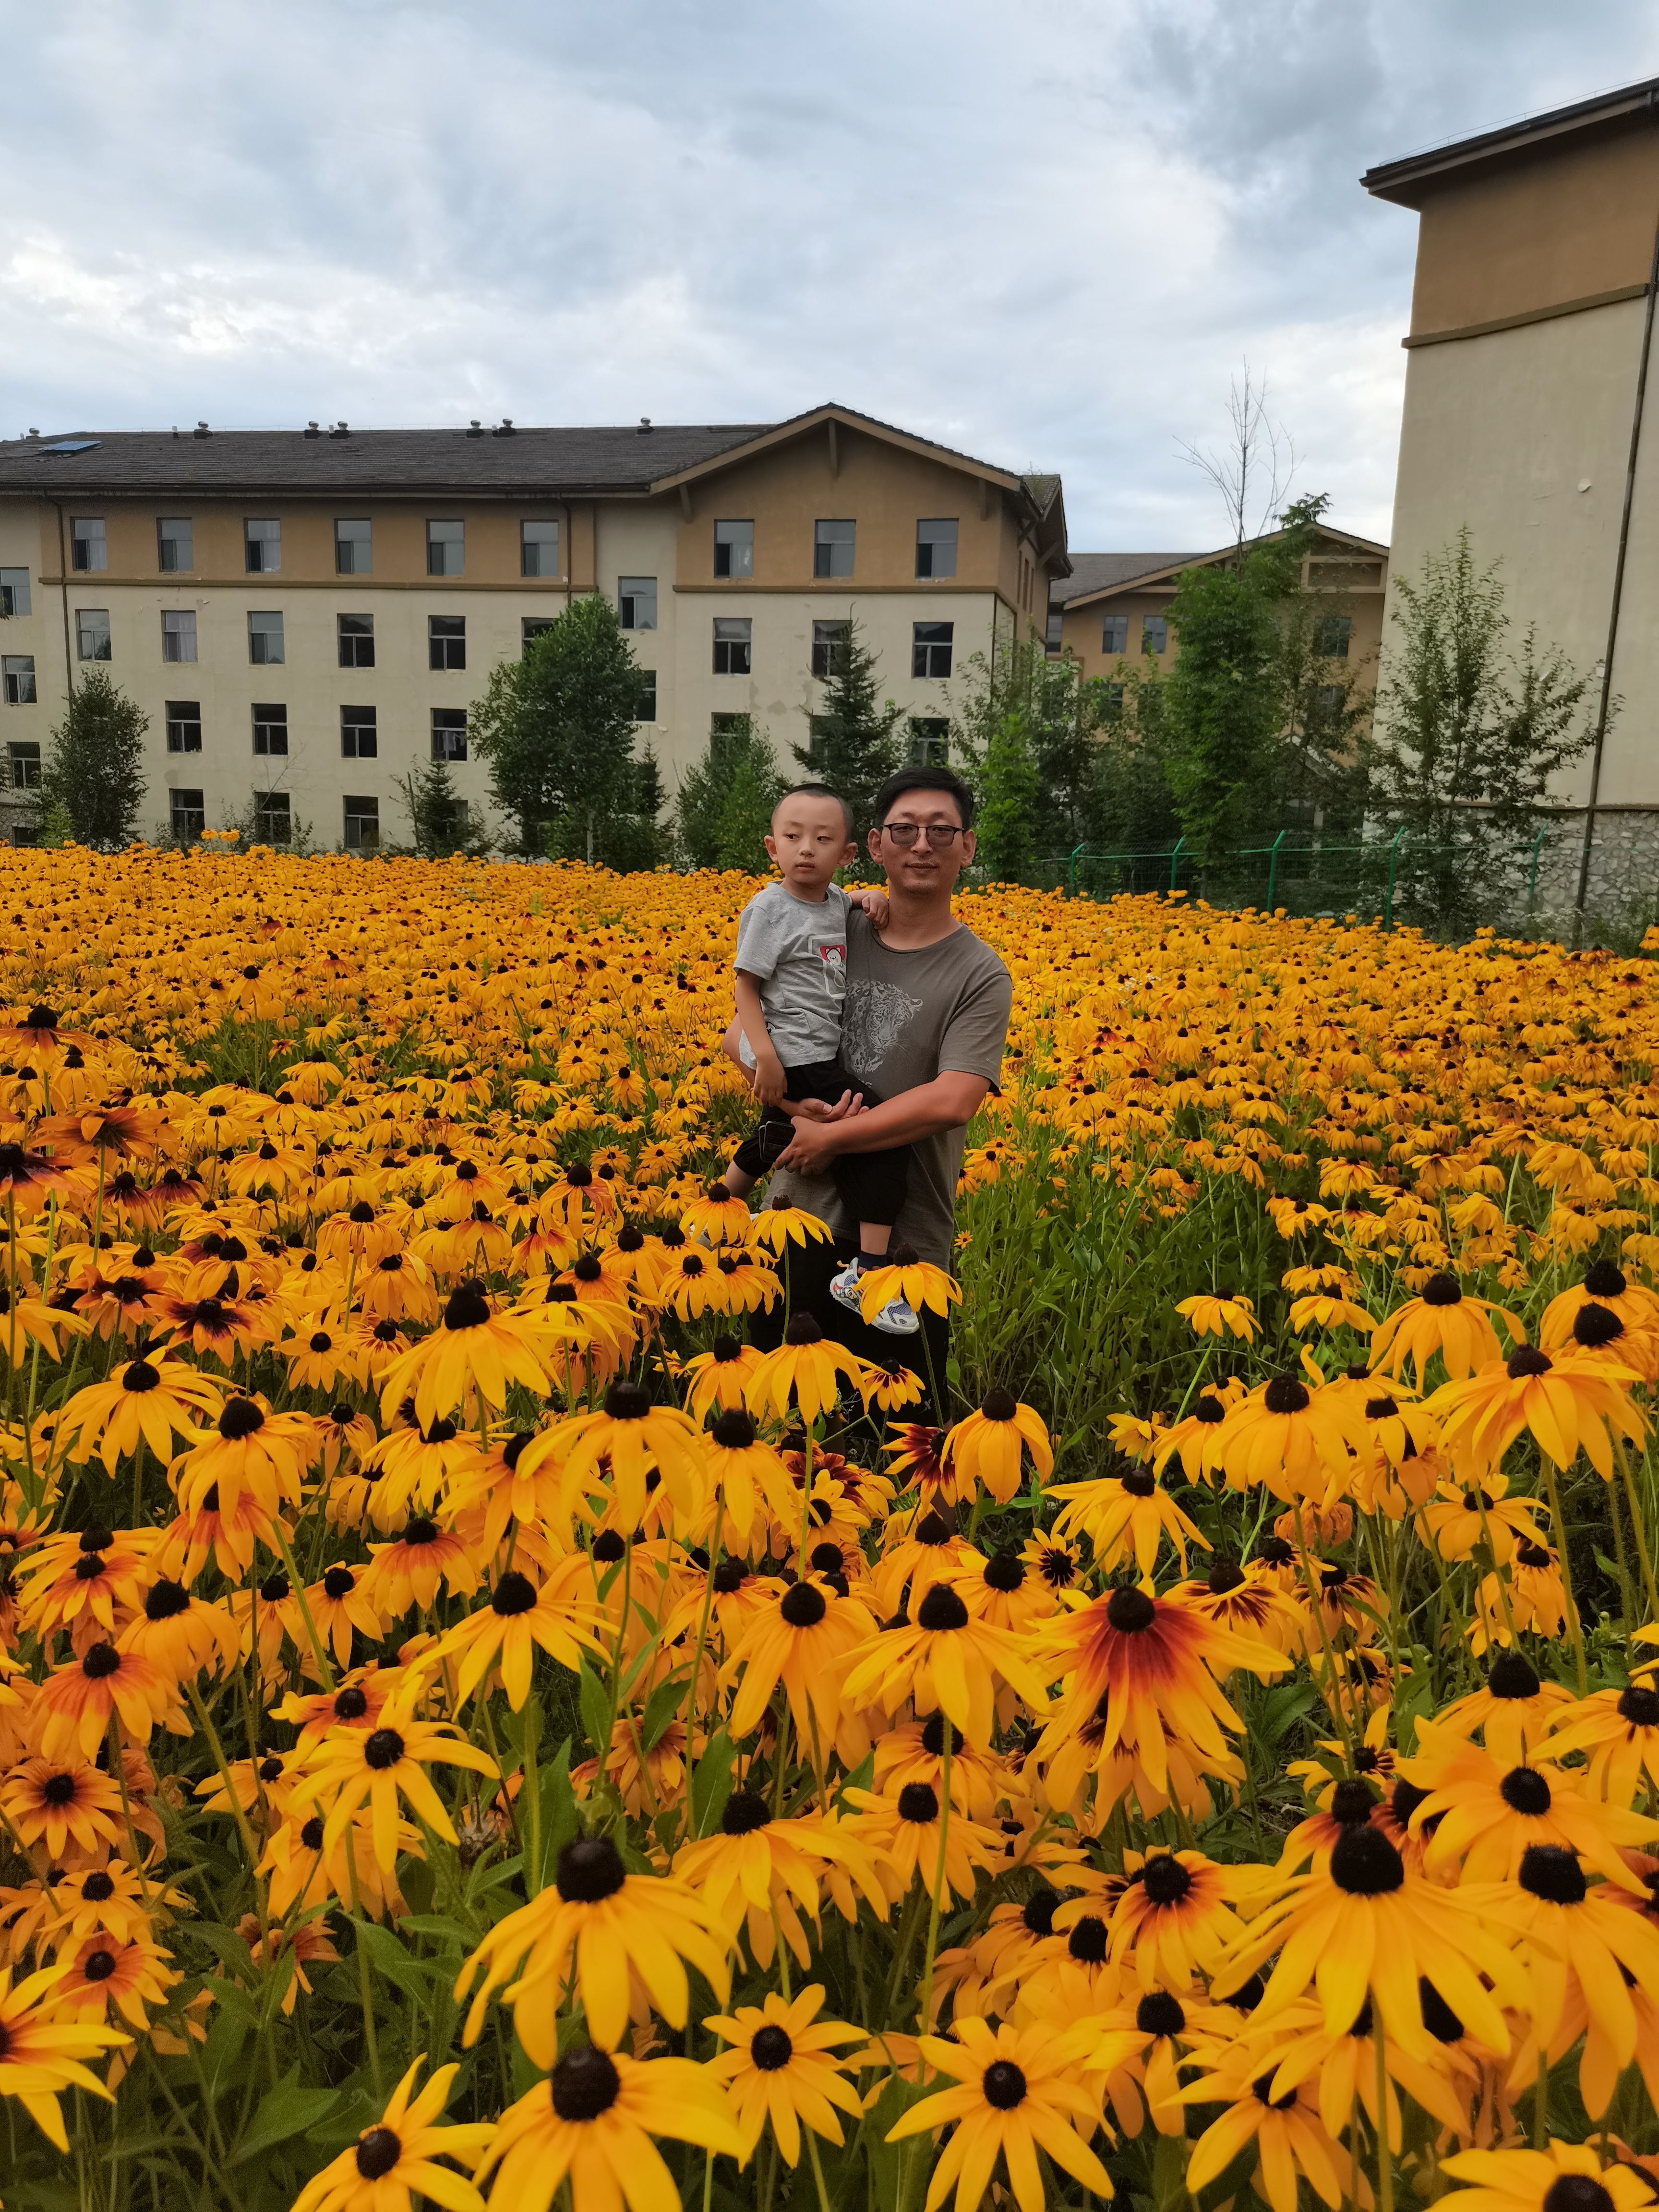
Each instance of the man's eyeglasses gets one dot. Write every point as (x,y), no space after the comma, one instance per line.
(905,834)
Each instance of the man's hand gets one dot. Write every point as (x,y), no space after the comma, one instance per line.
(767,1082)
(811,1149)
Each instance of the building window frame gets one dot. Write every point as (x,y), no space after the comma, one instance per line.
(835,547)
(1154,634)
(1332,636)
(92,634)
(531,627)
(175,545)
(538,553)
(645,709)
(446,643)
(930,741)
(733,644)
(186,813)
(267,639)
(353,545)
(636,602)
(936,554)
(182,722)
(449,733)
(270,730)
(360,733)
(355,646)
(361,819)
(88,543)
(734,547)
(23,763)
(262,544)
(15,598)
(446,545)
(933,647)
(178,635)
(829,645)
(1115,636)
(273,817)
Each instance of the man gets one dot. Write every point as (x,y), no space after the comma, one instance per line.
(924,1022)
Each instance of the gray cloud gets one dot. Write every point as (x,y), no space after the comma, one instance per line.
(1048,233)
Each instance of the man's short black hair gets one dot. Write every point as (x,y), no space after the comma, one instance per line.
(925,778)
(821,791)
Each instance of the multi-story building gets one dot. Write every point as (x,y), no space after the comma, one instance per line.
(1114,605)
(306,616)
(1525,376)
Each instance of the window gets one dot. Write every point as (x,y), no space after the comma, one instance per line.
(23,760)
(446,637)
(25,833)
(17,673)
(734,549)
(833,546)
(175,549)
(265,640)
(636,602)
(1329,701)
(829,644)
(356,641)
(930,650)
(273,817)
(535,626)
(732,725)
(270,730)
(263,547)
(184,727)
(179,634)
(538,550)
(1115,634)
(92,633)
(645,710)
(353,546)
(1154,633)
(732,645)
(930,741)
(449,733)
(88,548)
(14,592)
(936,547)
(1331,635)
(187,814)
(1055,635)
(359,733)
(363,825)
(445,548)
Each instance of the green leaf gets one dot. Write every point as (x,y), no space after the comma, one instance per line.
(287,2111)
(228,1947)
(662,1705)
(413,1976)
(711,1782)
(1282,1709)
(559,1817)
(595,1711)
(437,1925)
(860,1778)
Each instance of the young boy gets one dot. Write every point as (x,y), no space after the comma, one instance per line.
(791,981)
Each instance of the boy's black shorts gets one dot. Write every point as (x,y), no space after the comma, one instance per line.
(871,1184)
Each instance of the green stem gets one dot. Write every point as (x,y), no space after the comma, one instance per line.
(1574,1626)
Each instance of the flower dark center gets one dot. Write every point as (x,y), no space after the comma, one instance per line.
(102,1661)
(1352,1802)
(729,1575)
(1005,2086)
(322,1341)
(802,1329)
(1087,1940)
(312,1834)
(88,1567)
(383,1749)
(271,1770)
(140,1376)
(166,1601)
(1365,1863)
(468,1308)
(589,1870)
(1639,1705)
(512,1450)
(98,1965)
(1595,1326)
(608,1547)
(941,1609)
(1524,1790)
(932,1530)
(338,1582)
(1165,1879)
(1577,2192)
(1275,1551)
(932,1737)
(1263,2087)
(1130,1611)
(999,1406)
(1380,1409)
(514,1594)
(1526,1361)
(1443,1291)
(918,1802)
(745,1811)
(1550,1871)
(804,1606)
(419,1530)
(734,1431)
(1039,1913)
(351,1704)
(1209,1412)
(59,1789)
(586,2085)
(770,2048)
(1005,1571)
(97,1538)
(626,1401)
(1225,1575)
(240,1418)
(1285,1394)
(1160,2014)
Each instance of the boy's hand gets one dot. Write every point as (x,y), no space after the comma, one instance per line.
(874,903)
(767,1082)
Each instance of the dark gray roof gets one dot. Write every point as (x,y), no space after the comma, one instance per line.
(525,461)
(1095,572)
(1406,181)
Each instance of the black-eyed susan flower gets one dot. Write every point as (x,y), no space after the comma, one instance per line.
(1128,1513)
(1015,2094)
(42,2053)
(782,2069)
(1442,1319)
(747,1475)
(1569,1404)
(908,1829)
(1486,1817)
(1618,1731)
(717,1377)
(632,1437)
(63,1803)
(808,1368)
(592,2122)
(1564,2177)
(396,2159)
(777,1227)
(75,1703)
(946,1659)
(764,1874)
(989,1447)
(798,1642)
(517,1620)
(149,1399)
(378,1768)
(473,1348)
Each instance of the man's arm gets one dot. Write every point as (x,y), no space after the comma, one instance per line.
(949,1102)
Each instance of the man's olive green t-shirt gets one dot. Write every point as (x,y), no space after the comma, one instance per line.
(908,1016)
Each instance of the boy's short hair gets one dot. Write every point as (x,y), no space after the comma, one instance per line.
(819,791)
(925,778)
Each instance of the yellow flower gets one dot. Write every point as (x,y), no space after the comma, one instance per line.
(594,2120)
(782,2069)
(397,2158)
(1015,2094)
(1220,1313)
(987,1446)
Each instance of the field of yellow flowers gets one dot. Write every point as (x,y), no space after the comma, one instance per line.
(475,1726)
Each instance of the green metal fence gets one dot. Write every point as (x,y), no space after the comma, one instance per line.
(1297,871)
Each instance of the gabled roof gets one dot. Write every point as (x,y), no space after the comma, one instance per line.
(1150,571)
(518,463)
(1409,181)
(774,434)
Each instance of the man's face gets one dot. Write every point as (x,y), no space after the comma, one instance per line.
(923,866)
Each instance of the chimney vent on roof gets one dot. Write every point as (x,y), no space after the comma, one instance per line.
(475,428)
(645,426)
(34,433)
(339,431)
(201,431)
(506,429)
(312,431)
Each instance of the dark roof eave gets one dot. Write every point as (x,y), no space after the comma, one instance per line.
(1405,181)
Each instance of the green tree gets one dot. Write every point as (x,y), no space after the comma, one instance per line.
(1061,718)
(1224,702)
(629,838)
(1325,705)
(94,771)
(1010,785)
(1129,806)
(855,744)
(438,817)
(726,801)
(1468,733)
(557,730)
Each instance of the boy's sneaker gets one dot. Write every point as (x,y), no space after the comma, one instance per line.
(895,1317)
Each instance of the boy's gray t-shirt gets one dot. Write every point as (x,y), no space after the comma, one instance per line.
(798,953)
(942,1009)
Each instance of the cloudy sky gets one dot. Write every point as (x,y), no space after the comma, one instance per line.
(1049,232)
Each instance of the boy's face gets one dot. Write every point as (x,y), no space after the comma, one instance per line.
(808,842)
